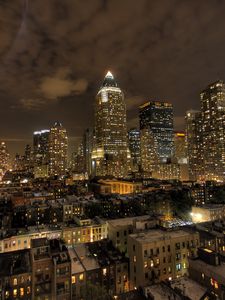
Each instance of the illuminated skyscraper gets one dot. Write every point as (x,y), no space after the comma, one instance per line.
(180,147)
(41,147)
(109,158)
(4,159)
(158,118)
(135,148)
(149,152)
(194,145)
(58,146)
(213,130)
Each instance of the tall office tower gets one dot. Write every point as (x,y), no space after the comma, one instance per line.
(180,147)
(213,130)
(4,159)
(158,117)
(28,158)
(194,145)
(58,146)
(78,162)
(134,141)
(41,147)
(109,158)
(88,146)
(149,152)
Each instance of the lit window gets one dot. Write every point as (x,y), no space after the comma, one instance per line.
(15,281)
(81,277)
(14,292)
(73,279)
(135,258)
(104,271)
(21,291)
(28,290)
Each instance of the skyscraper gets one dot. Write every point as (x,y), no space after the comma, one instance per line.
(194,145)
(135,148)
(149,152)
(180,147)
(88,145)
(109,158)
(158,118)
(58,146)
(213,130)
(41,147)
(4,159)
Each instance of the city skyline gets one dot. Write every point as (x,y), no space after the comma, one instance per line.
(43,81)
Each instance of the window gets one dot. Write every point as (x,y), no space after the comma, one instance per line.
(203,276)
(15,293)
(178,267)
(104,271)
(145,264)
(168,248)
(15,281)
(22,292)
(73,279)
(28,290)
(135,259)
(81,277)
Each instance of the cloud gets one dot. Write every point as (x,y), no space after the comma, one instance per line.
(61,85)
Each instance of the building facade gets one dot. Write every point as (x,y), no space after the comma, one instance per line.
(134,140)
(194,145)
(58,146)
(213,130)
(109,158)
(158,118)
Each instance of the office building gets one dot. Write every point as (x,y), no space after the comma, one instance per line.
(58,145)
(41,147)
(4,159)
(158,118)
(110,156)
(134,141)
(194,145)
(149,152)
(213,131)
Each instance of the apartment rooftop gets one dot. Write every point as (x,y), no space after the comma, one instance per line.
(212,270)
(127,221)
(14,263)
(177,289)
(85,257)
(159,235)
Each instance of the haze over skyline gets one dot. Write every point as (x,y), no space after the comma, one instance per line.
(54,56)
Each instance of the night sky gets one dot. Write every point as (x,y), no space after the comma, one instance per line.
(54,55)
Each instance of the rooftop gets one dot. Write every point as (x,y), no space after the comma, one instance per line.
(158,235)
(14,263)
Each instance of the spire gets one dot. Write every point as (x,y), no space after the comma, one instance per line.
(109,80)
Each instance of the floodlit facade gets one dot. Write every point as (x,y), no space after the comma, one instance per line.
(213,130)
(158,118)
(110,155)
(58,145)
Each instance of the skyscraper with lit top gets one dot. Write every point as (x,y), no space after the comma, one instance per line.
(58,146)
(110,154)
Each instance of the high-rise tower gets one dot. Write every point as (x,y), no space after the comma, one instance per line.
(213,130)
(58,146)
(109,157)
(158,118)
(194,145)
